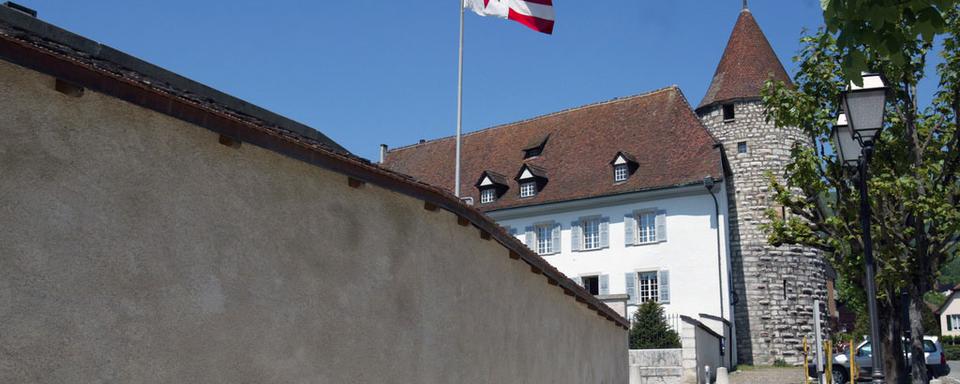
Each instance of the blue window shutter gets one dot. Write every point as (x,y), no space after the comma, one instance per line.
(661,222)
(664,280)
(605,232)
(629,229)
(631,280)
(556,238)
(576,232)
(604,284)
(531,238)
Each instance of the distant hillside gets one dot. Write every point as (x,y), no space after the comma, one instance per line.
(950,273)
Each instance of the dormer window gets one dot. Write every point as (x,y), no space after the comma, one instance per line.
(488,195)
(528,189)
(623,165)
(620,172)
(531,180)
(491,185)
(535,147)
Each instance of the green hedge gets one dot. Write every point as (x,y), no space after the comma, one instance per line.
(952,352)
(950,340)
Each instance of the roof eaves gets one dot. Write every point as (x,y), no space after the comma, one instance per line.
(618,193)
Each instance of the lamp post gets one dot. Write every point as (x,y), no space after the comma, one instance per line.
(854,136)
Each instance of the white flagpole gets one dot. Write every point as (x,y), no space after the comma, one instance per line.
(456,187)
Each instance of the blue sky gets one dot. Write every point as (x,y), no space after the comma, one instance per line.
(371,72)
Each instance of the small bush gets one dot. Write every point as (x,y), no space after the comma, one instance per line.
(650,329)
(780,363)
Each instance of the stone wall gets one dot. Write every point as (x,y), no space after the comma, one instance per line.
(136,248)
(775,286)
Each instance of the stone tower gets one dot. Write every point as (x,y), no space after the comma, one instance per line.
(775,286)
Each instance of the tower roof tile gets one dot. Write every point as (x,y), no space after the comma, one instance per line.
(747,62)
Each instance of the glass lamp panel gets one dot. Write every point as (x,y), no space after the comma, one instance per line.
(846,147)
(865,110)
(864,106)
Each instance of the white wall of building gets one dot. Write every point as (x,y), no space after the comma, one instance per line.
(952,309)
(689,253)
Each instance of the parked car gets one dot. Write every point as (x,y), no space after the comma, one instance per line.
(932,352)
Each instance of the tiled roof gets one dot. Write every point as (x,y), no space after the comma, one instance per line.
(658,129)
(748,61)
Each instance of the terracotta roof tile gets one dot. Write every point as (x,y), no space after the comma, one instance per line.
(658,129)
(748,61)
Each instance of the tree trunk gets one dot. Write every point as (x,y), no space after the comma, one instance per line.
(918,364)
(891,329)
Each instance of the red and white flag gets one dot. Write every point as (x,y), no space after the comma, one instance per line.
(536,14)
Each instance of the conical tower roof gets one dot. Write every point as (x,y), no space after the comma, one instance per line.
(748,61)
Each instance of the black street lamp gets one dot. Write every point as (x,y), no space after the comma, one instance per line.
(854,136)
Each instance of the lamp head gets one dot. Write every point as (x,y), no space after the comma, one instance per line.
(865,106)
(845,146)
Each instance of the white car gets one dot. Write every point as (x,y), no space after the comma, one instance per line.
(932,352)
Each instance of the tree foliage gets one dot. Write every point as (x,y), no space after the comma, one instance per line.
(650,329)
(914,189)
(885,26)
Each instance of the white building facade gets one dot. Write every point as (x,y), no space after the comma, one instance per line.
(659,245)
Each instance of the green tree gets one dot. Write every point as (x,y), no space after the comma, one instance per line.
(650,329)
(914,188)
(885,26)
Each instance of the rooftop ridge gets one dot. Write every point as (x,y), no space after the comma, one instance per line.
(546,115)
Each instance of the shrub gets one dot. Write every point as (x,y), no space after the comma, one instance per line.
(952,352)
(948,340)
(650,329)
(780,363)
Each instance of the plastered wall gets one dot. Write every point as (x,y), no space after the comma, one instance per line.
(136,248)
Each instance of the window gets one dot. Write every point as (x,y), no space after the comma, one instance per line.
(646,227)
(649,287)
(620,172)
(728,112)
(591,284)
(742,147)
(865,350)
(488,195)
(544,239)
(528,188)
(532,152)
(591,233)
(953,322)
(535,148)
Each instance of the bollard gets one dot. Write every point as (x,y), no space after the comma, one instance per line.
(706,376)
(854,370)
(722,377)
(806,362)
(829,364)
